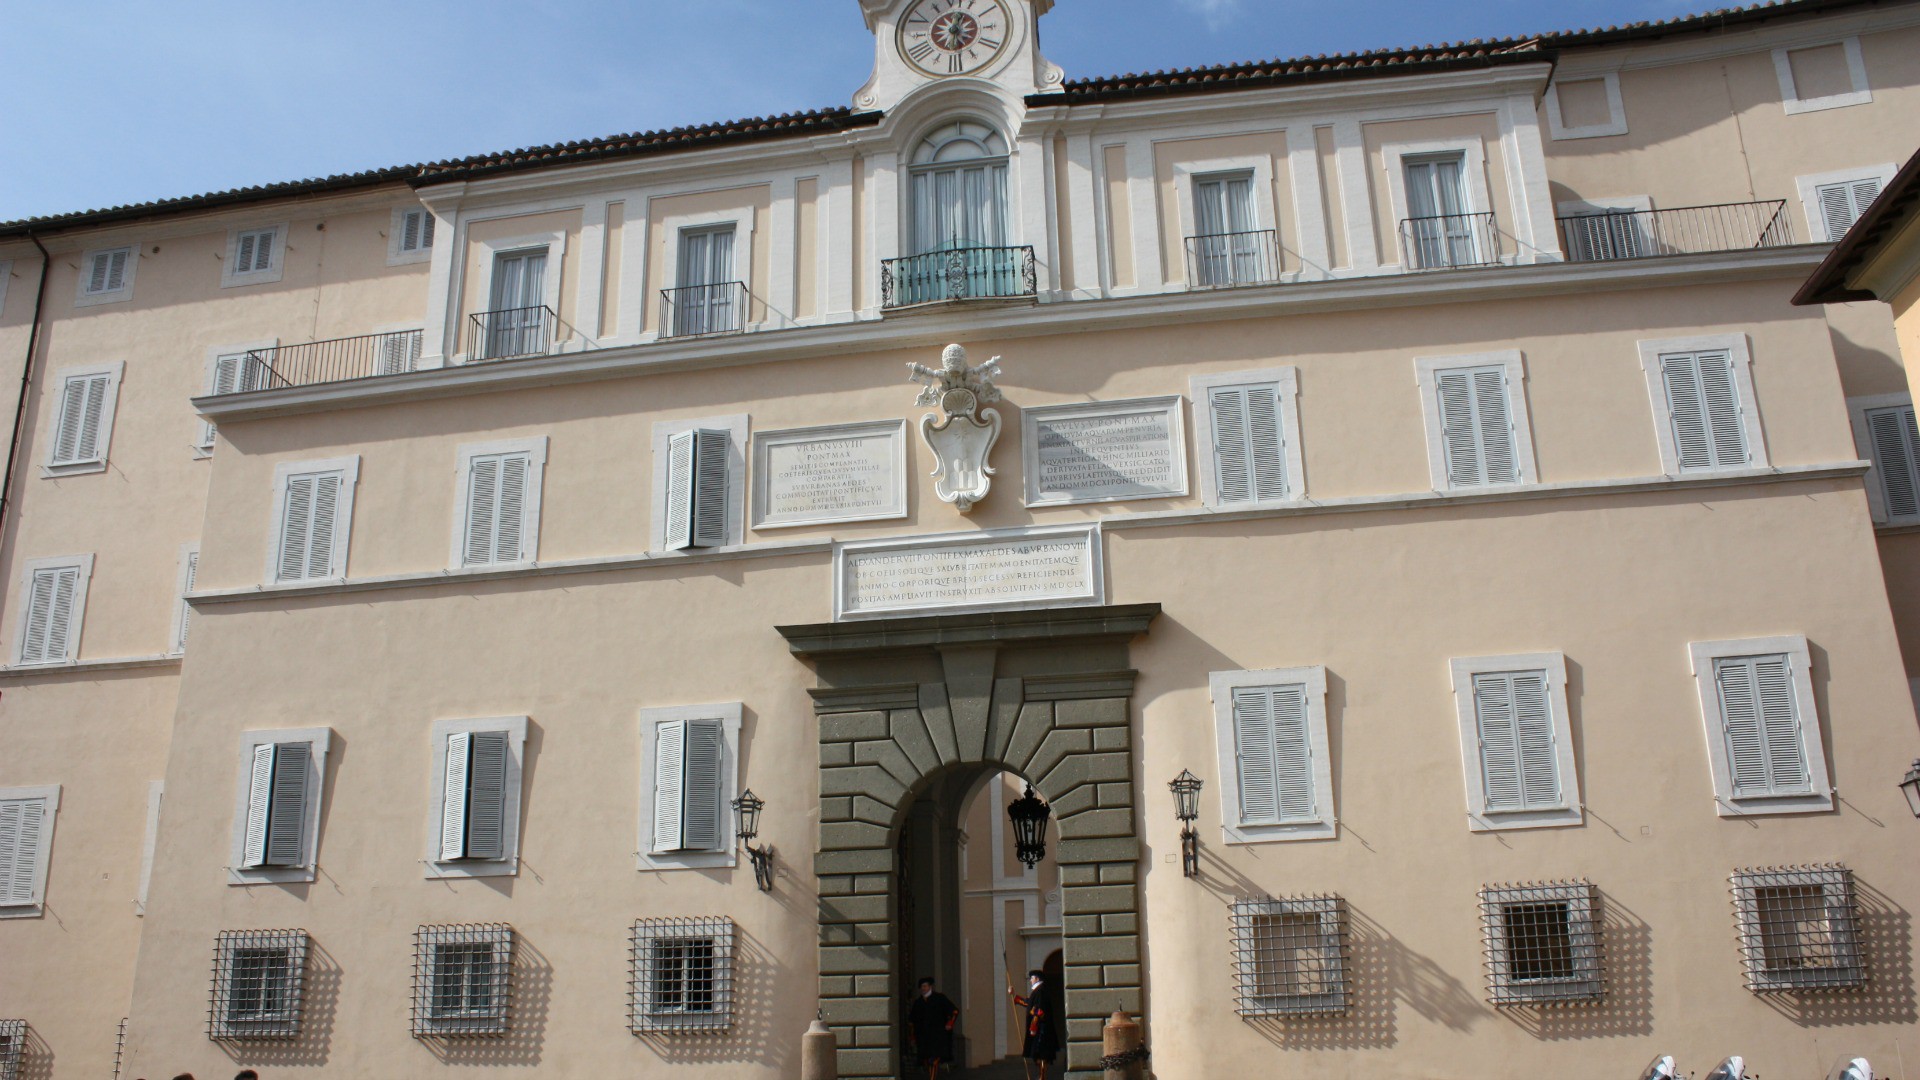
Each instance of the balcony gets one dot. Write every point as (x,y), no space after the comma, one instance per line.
(970,273)
(1687,230)
(335,360)
(1449,242)
(703,310)
(1233,260)
(513,333)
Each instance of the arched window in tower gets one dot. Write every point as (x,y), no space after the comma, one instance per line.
(957,228)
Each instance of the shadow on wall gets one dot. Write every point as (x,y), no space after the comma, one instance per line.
(36,1058)
(319,999)
(751,1040)
(526,1038)
(1886,941)
(1626,958)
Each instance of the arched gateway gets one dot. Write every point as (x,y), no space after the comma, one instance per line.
(903,702)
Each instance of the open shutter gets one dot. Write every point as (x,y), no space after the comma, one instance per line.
(1896,459)
(259,805)
(669,784)
(226,380)
(1292,753)
(710,489)
(287,815)
(1253,749)
(1457,430)
(296,527)
(22,826)
(679,495)
(700,822)
(483,495)
(487,796)
(453,807)
(186,609)
(1500,770)
(1533,719)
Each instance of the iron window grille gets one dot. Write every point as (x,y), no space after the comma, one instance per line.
(1799,928)
(13,1048)
(1290,956)
(462,980)
(1542,943)
(681,975)
(259,977)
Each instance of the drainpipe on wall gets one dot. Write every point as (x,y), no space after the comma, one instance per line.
(26,381)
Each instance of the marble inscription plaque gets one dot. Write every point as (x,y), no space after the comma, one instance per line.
(1105,451)
(848,472)
(1021,569)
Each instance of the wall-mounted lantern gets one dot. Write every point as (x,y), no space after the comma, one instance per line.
(748,807)
(1911,786)
(1029,815)
(1186,806)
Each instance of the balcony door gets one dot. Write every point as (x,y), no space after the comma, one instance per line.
(516,320)
(957,231)
(705,302)
(1226,247)
(1439,229)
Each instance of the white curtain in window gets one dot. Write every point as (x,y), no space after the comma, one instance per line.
(960,206)
(1442,232)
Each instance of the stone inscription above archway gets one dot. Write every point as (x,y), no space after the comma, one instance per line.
(1046,695)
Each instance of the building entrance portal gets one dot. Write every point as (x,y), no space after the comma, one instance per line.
(916,715)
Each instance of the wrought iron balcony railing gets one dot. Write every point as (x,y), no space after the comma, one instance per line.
(513,332)
(1448,241)
(1684,230)
(1230,260)
(968,273)
(334,360)
(701,310)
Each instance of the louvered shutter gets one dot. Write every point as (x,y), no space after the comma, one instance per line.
(1249,444)
(50,615)
(710,489)
(1896,459)
(509,543)
(1495,426)
(453,806)
(1459,433)
(287,817)
(1765,752)
(82,407)
(1253,737)
(669,784)
(259,805)
(399,352)
(308,525)
(22,829)
(487,796)
(1539,763)
(1842,204)
(1703,402)
(1519,765)
(679,495)
(243,260)
(483,494)
(416,230)
(186,609)
(117,270)
(98,272)
(1292,753)
(700,821)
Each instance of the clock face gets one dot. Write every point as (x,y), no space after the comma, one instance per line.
(953,37)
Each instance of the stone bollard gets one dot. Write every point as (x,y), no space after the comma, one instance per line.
(1124,1045)
(818,1054)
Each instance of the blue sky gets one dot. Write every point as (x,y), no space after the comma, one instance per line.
(133,100)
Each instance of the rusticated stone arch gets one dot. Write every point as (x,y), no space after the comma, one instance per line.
(1044,694)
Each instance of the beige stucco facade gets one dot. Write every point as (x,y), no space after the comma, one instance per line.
(1375,569)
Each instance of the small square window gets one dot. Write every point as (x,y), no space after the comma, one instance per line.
(1542,943)
(1831,75)
(13,1048)
(106,276)
(1799,928)
(1290,956)
(681,976)
(258,979)
(254,256)
(462,980)
(410,235)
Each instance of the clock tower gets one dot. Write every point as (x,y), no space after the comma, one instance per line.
(924,43)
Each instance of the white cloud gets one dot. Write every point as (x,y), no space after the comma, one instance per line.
(1216,13)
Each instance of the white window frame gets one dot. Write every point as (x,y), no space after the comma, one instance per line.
(1616,123)
(738,429)
(1426,371)
(1794,646)
(1474,167)
(1857,410)
(238,873)
(83,298)
(276,266)
(729,715)
(1260,166)
(553,243)
(396,231)
(1571,810)
(209,432)
(536,450)
(108,406)
(1790,97)
(78,619)
(183,611)
(1739,348)
(349,467)
(508,865)
(1325,824)
(1199,391)
(1809,188)
(673,229)
(1169,406)
(49,794)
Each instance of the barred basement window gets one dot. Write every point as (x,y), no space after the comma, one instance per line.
(681,977)
(462,980)
(13,1048)
(258,977)
(1799,928)
(1543,945)
(1290,956)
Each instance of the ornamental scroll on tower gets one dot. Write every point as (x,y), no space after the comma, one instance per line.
(964,432)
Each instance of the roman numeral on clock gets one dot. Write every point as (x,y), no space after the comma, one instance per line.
(922,52)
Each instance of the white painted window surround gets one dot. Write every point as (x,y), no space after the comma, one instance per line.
(106,275)
(26,848)
(1709,424)
(1283,465)
(312,789)
(1475,198)
(1258,168)
(230,372)
(740,219)
(256,255)
(737,429)
(183,613)
(1516,741)
(1616,123)
(553,243)
(1790,95)
(53,606)
(82,420)
(1884,433)
(1276,771)
(410,235)
(508,791)
(302,544)
(1774,730)
(496,512)
(1476,438)
(647,851)
(1833,201)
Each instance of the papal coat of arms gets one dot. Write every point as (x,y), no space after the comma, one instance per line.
(963,433)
